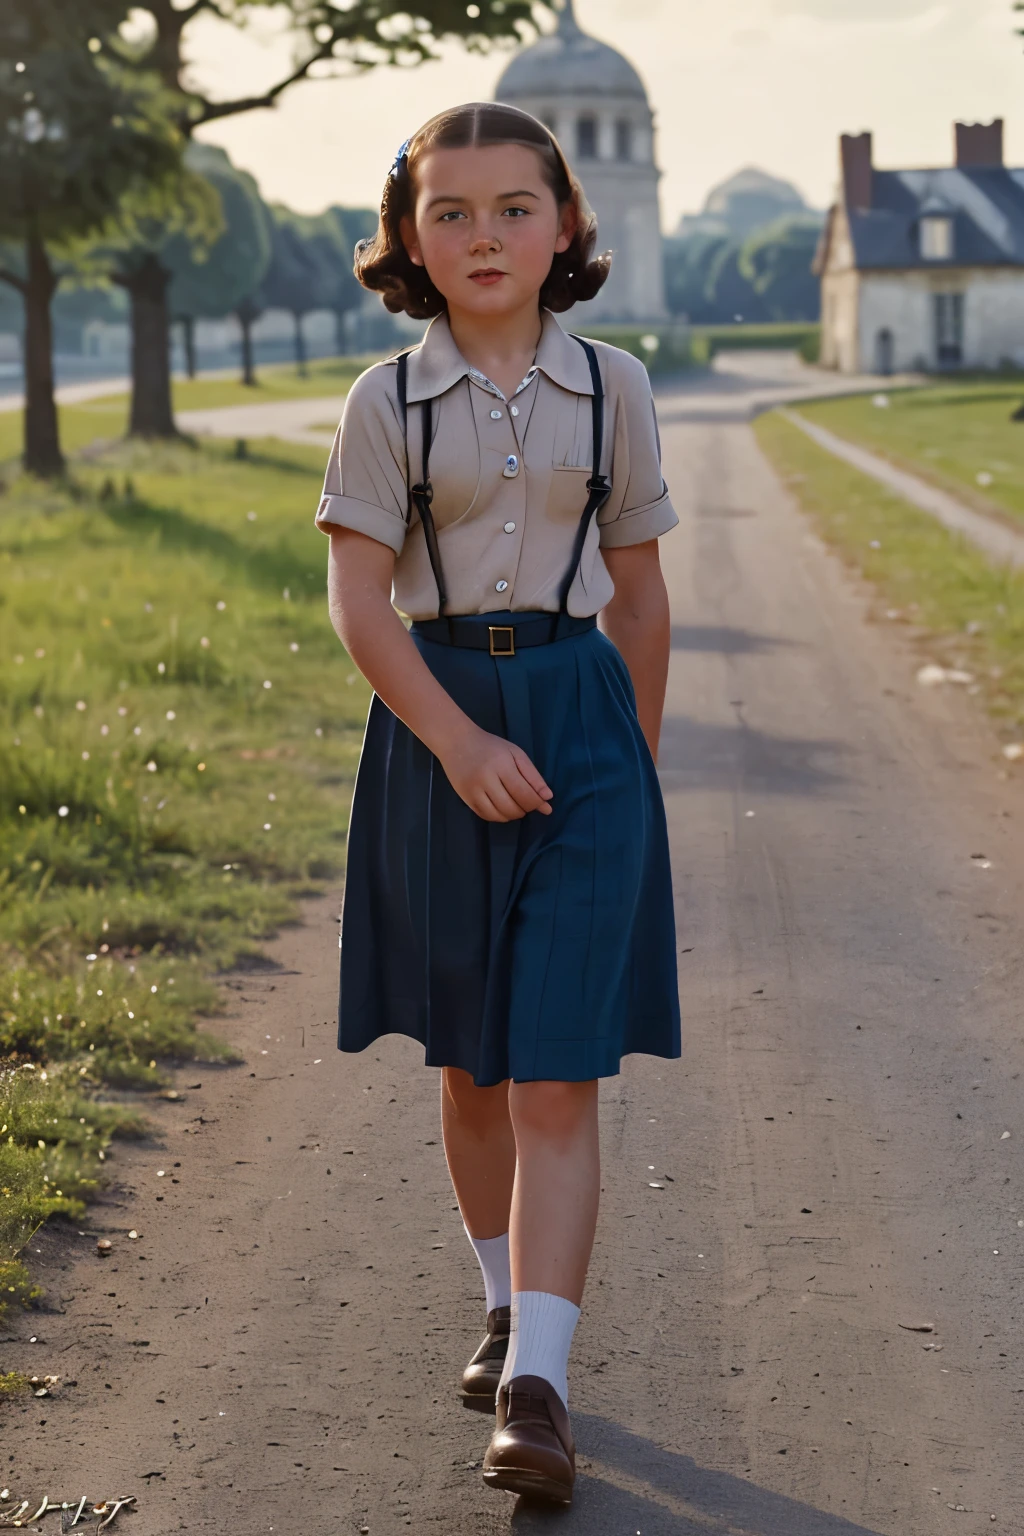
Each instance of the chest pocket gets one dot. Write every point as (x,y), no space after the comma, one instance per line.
(573,447)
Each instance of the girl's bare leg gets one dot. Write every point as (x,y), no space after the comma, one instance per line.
(481,1150)
(557,1186)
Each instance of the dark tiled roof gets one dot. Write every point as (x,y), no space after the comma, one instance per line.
(986,205)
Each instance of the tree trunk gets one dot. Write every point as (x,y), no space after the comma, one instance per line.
(151,411)
(247,313)
(42,455)
(188,337)
(300,345)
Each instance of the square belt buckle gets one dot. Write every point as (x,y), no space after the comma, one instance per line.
(507,633)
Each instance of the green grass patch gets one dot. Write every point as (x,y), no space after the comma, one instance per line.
(107,416)
(959,435)
(179,731)
(782,336)
(925,574)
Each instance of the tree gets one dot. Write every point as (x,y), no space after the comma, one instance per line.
(210,282)
(307,257)
(347,293)
(776,261)
(333,37)
(186,208)
(688,264)
(77,132)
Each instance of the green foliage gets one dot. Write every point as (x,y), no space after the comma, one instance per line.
(776,262)
(307,261)
(210,279)
(688,265)
(80,128)
(355,34)
(709,340)
(673,352)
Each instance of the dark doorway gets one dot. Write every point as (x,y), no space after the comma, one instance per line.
(949,329)
(884,349)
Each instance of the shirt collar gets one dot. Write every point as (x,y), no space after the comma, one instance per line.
(437,364)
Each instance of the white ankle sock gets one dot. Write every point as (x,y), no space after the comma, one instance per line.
(541,1337)
(492,1252)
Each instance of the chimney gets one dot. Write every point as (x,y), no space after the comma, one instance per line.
(855,154)
(979,144)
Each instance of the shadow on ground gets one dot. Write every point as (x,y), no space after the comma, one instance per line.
(628,1484)
(697,755)
(720,640)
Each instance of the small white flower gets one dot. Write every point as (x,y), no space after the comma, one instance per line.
(62,810)
(104,730)
(267,683)
(170,714)
(266,826)
(318,731)
(85,757)
(153,987)
(161,668)
(40,653)
(271,797)
(250,517)
(151,766)
(205,643)
(122,710)
(137,731)
(80,704)
(221,606)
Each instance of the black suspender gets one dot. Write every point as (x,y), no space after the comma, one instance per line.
(597,486)
(421,494)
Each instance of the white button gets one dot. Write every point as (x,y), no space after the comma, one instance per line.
(515,410)
(495,415)
(510,527)
(500,586)
(511,466)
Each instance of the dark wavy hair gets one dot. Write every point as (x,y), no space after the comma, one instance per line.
(382,263)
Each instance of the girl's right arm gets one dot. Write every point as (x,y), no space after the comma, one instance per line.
(494,777)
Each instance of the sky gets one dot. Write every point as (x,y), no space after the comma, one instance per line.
(770,83)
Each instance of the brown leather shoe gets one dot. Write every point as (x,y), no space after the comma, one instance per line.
(482,1374)
(532,1451)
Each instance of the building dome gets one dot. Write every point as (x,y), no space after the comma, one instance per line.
(569,63)
(595,103)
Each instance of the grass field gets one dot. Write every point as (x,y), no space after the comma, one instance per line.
(179,730)
(107,417)
(972,611)
(959,435)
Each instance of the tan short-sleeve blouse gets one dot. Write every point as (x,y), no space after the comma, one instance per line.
(509,476)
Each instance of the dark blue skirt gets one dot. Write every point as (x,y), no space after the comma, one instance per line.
(543,948)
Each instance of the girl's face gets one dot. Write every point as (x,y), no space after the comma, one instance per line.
(486,226)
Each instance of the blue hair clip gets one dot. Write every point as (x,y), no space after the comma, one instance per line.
(396,164)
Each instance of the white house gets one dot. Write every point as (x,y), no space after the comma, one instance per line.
(595,103)
(925,269)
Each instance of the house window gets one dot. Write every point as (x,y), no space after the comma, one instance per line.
(949,329)
(936,239)
(623,139)
(586,138)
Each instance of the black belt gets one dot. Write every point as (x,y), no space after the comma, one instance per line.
(478,632)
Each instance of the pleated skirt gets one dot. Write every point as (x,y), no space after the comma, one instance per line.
(543,948)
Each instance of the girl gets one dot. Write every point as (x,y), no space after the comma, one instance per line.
(508,900)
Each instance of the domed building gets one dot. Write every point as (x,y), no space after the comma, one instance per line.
(594,101)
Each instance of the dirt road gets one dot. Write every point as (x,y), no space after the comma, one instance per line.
(278,1350)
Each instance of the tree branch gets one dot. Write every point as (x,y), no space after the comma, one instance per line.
(7,276)
(212,110)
